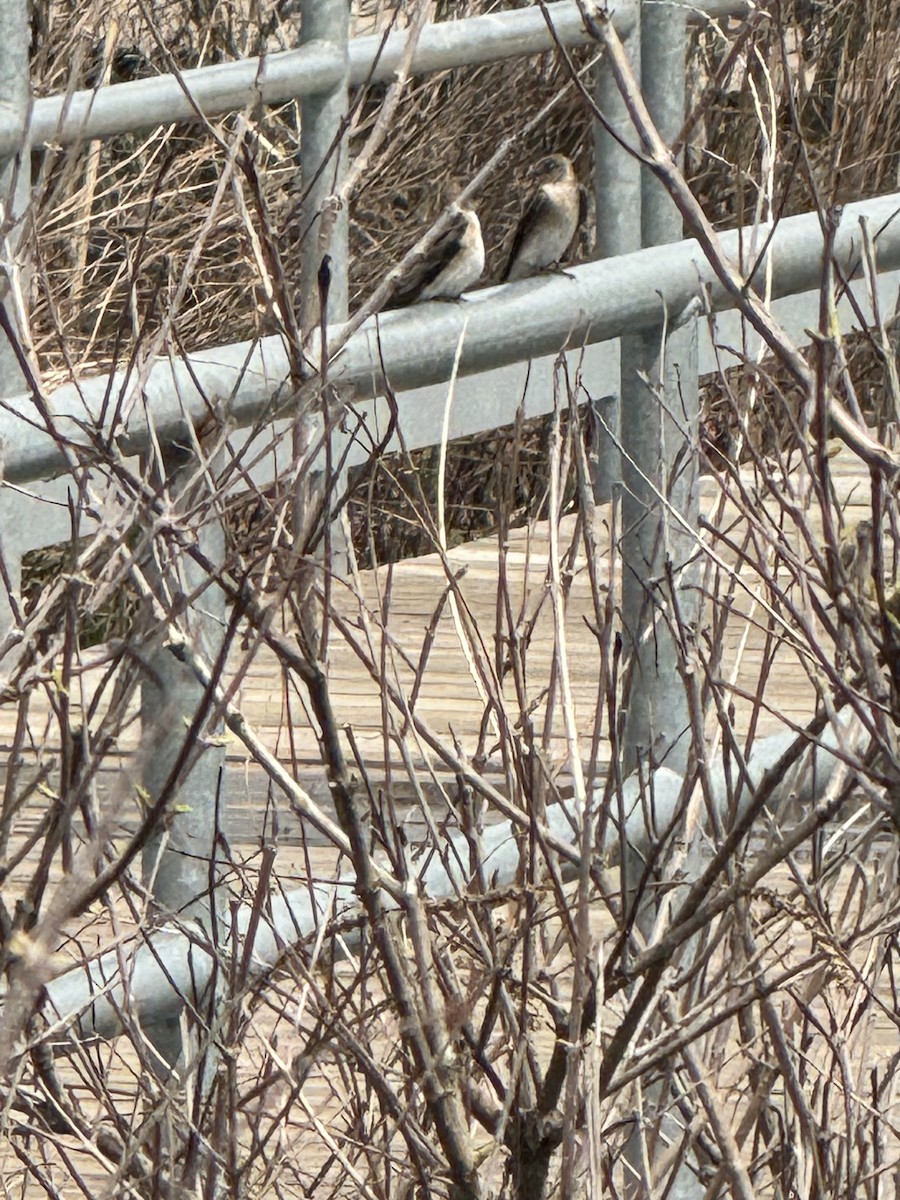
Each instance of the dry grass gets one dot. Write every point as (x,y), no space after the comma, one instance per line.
(813,100)
(116,222)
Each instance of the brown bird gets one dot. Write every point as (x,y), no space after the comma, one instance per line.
(453,264)
(549,222)
(856,553)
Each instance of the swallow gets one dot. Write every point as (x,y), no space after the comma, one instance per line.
(453,264)
(856,551)
(550,220)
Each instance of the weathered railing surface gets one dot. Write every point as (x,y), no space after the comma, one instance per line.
(414,348)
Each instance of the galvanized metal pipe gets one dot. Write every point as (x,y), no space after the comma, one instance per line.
(323,155)
(660,423)
(617,194)
(617,174)
(171,964)
(325,235)
(15,177)
(180,858)
(589,304)
(223,87)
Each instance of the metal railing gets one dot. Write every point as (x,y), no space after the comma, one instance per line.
(312,69)
(416,347)
(629,296)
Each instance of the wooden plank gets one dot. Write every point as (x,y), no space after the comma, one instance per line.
(448,699)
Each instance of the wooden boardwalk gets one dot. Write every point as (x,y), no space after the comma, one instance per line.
(450,699)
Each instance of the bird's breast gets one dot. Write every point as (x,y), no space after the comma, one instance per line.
(564,198)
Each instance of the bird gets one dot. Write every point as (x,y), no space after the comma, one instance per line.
(453,264)
(856,552)
(550,220)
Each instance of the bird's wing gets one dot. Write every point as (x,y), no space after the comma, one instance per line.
(539,207)
(425,272)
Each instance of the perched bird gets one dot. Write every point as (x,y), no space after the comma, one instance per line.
(856,553)
(550,220)
(453,264)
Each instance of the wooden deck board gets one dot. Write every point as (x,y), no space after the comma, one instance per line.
(448,699)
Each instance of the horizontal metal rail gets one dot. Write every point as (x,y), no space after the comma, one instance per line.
(481,403)
(175,963)
(271,79)
(414,347)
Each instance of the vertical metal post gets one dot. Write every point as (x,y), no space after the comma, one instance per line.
(617,174)
(617,192)
(15,187)
(325,222)
(660,423)
(660,431)
(323,155)
(181,857)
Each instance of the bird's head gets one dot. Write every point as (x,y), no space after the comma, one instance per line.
(864,530)
(448,191)
(555,168)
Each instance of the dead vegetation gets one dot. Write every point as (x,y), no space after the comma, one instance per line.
(807,109)
(767,1054)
